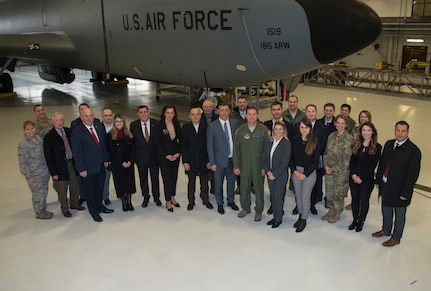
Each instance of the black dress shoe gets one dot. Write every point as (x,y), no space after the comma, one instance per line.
(295,210)
(107,210)
(190,206)
(233,206)
(270,211)
(176,204)
(353,225)
(158,202)
(313,210)
(145,204)
(107,201)
(271,222)
(276,224)
(220,209)
(298,221)
(208,204)
(97,218)
(301,226)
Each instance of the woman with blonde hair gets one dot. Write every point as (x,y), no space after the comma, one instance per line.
(121,148)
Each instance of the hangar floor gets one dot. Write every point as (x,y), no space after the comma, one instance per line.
(152,249)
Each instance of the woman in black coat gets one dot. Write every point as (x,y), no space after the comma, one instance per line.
(366,153)
(120,143)
(167,140)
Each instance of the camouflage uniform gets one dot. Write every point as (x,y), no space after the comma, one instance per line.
(337,157)
(42,128)
(32,165)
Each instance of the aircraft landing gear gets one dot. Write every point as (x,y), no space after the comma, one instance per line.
(158,92)
(6,84)
(106,78)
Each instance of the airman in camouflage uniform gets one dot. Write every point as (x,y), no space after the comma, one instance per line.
(336,161)
(33,166)
(42,123)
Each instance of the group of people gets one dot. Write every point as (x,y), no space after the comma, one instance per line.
(232,144)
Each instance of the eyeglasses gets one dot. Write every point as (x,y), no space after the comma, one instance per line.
(118,121)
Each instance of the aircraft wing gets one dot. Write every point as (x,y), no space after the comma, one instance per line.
(43,48)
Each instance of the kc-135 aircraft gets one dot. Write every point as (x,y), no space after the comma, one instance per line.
(200,43)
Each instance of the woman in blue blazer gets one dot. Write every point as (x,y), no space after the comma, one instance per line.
(276,156)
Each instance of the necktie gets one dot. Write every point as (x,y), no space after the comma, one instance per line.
(147,136)
(389,162)
(94,137)
(226,133)
(69,154)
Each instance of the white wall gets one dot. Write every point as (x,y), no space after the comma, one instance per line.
(391,8)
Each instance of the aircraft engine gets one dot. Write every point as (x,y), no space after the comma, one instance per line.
(55,74)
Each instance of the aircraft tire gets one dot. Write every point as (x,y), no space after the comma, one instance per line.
(7,83)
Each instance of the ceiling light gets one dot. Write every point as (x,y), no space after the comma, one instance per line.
(415,40)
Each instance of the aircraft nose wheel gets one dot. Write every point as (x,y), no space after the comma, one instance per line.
(6,84)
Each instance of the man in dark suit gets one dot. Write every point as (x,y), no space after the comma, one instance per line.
(146,157)
(277,115)
(209,114)
(195,157)
(91,158)
(220,135)
(397,174)
(59,158)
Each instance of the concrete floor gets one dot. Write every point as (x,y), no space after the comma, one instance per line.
(152,249)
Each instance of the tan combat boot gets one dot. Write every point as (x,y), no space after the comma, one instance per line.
(330,213)
(335,217)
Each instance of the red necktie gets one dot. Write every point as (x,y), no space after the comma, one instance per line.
(94,137)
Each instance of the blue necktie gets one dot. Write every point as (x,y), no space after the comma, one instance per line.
(226,133)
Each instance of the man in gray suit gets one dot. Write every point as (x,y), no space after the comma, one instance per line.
(220,135)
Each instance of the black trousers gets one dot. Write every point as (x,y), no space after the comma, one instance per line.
(143,178)
(170,176)
(361,198)
(191,187)
(93,186)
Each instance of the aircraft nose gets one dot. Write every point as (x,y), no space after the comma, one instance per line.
(340,27)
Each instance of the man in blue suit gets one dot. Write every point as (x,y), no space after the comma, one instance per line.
(220,135)
(91,158)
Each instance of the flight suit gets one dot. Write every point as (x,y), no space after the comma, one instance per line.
(247,156)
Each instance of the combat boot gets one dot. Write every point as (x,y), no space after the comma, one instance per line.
(44,215)
(334,218)
(330,213)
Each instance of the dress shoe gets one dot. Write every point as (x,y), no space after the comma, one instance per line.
(67,214)
(97,218)
(353,225)
(301,225)
(258,217)
(298,221)
(243,213)
(208,204)
(233,206)
(295,210)
(238,190)
(271,222)
(107,210)
(158,202)
(175,203)
(276,224)
(81,200)
(131,208)
(390,243)
(220,209)
(79,208)
(145,204)
(270,211)
(107,201)
(169,206)
(313,210)
(379,233)
(360,226)
(190,206)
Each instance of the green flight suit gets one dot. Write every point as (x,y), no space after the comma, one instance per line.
(247,156)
